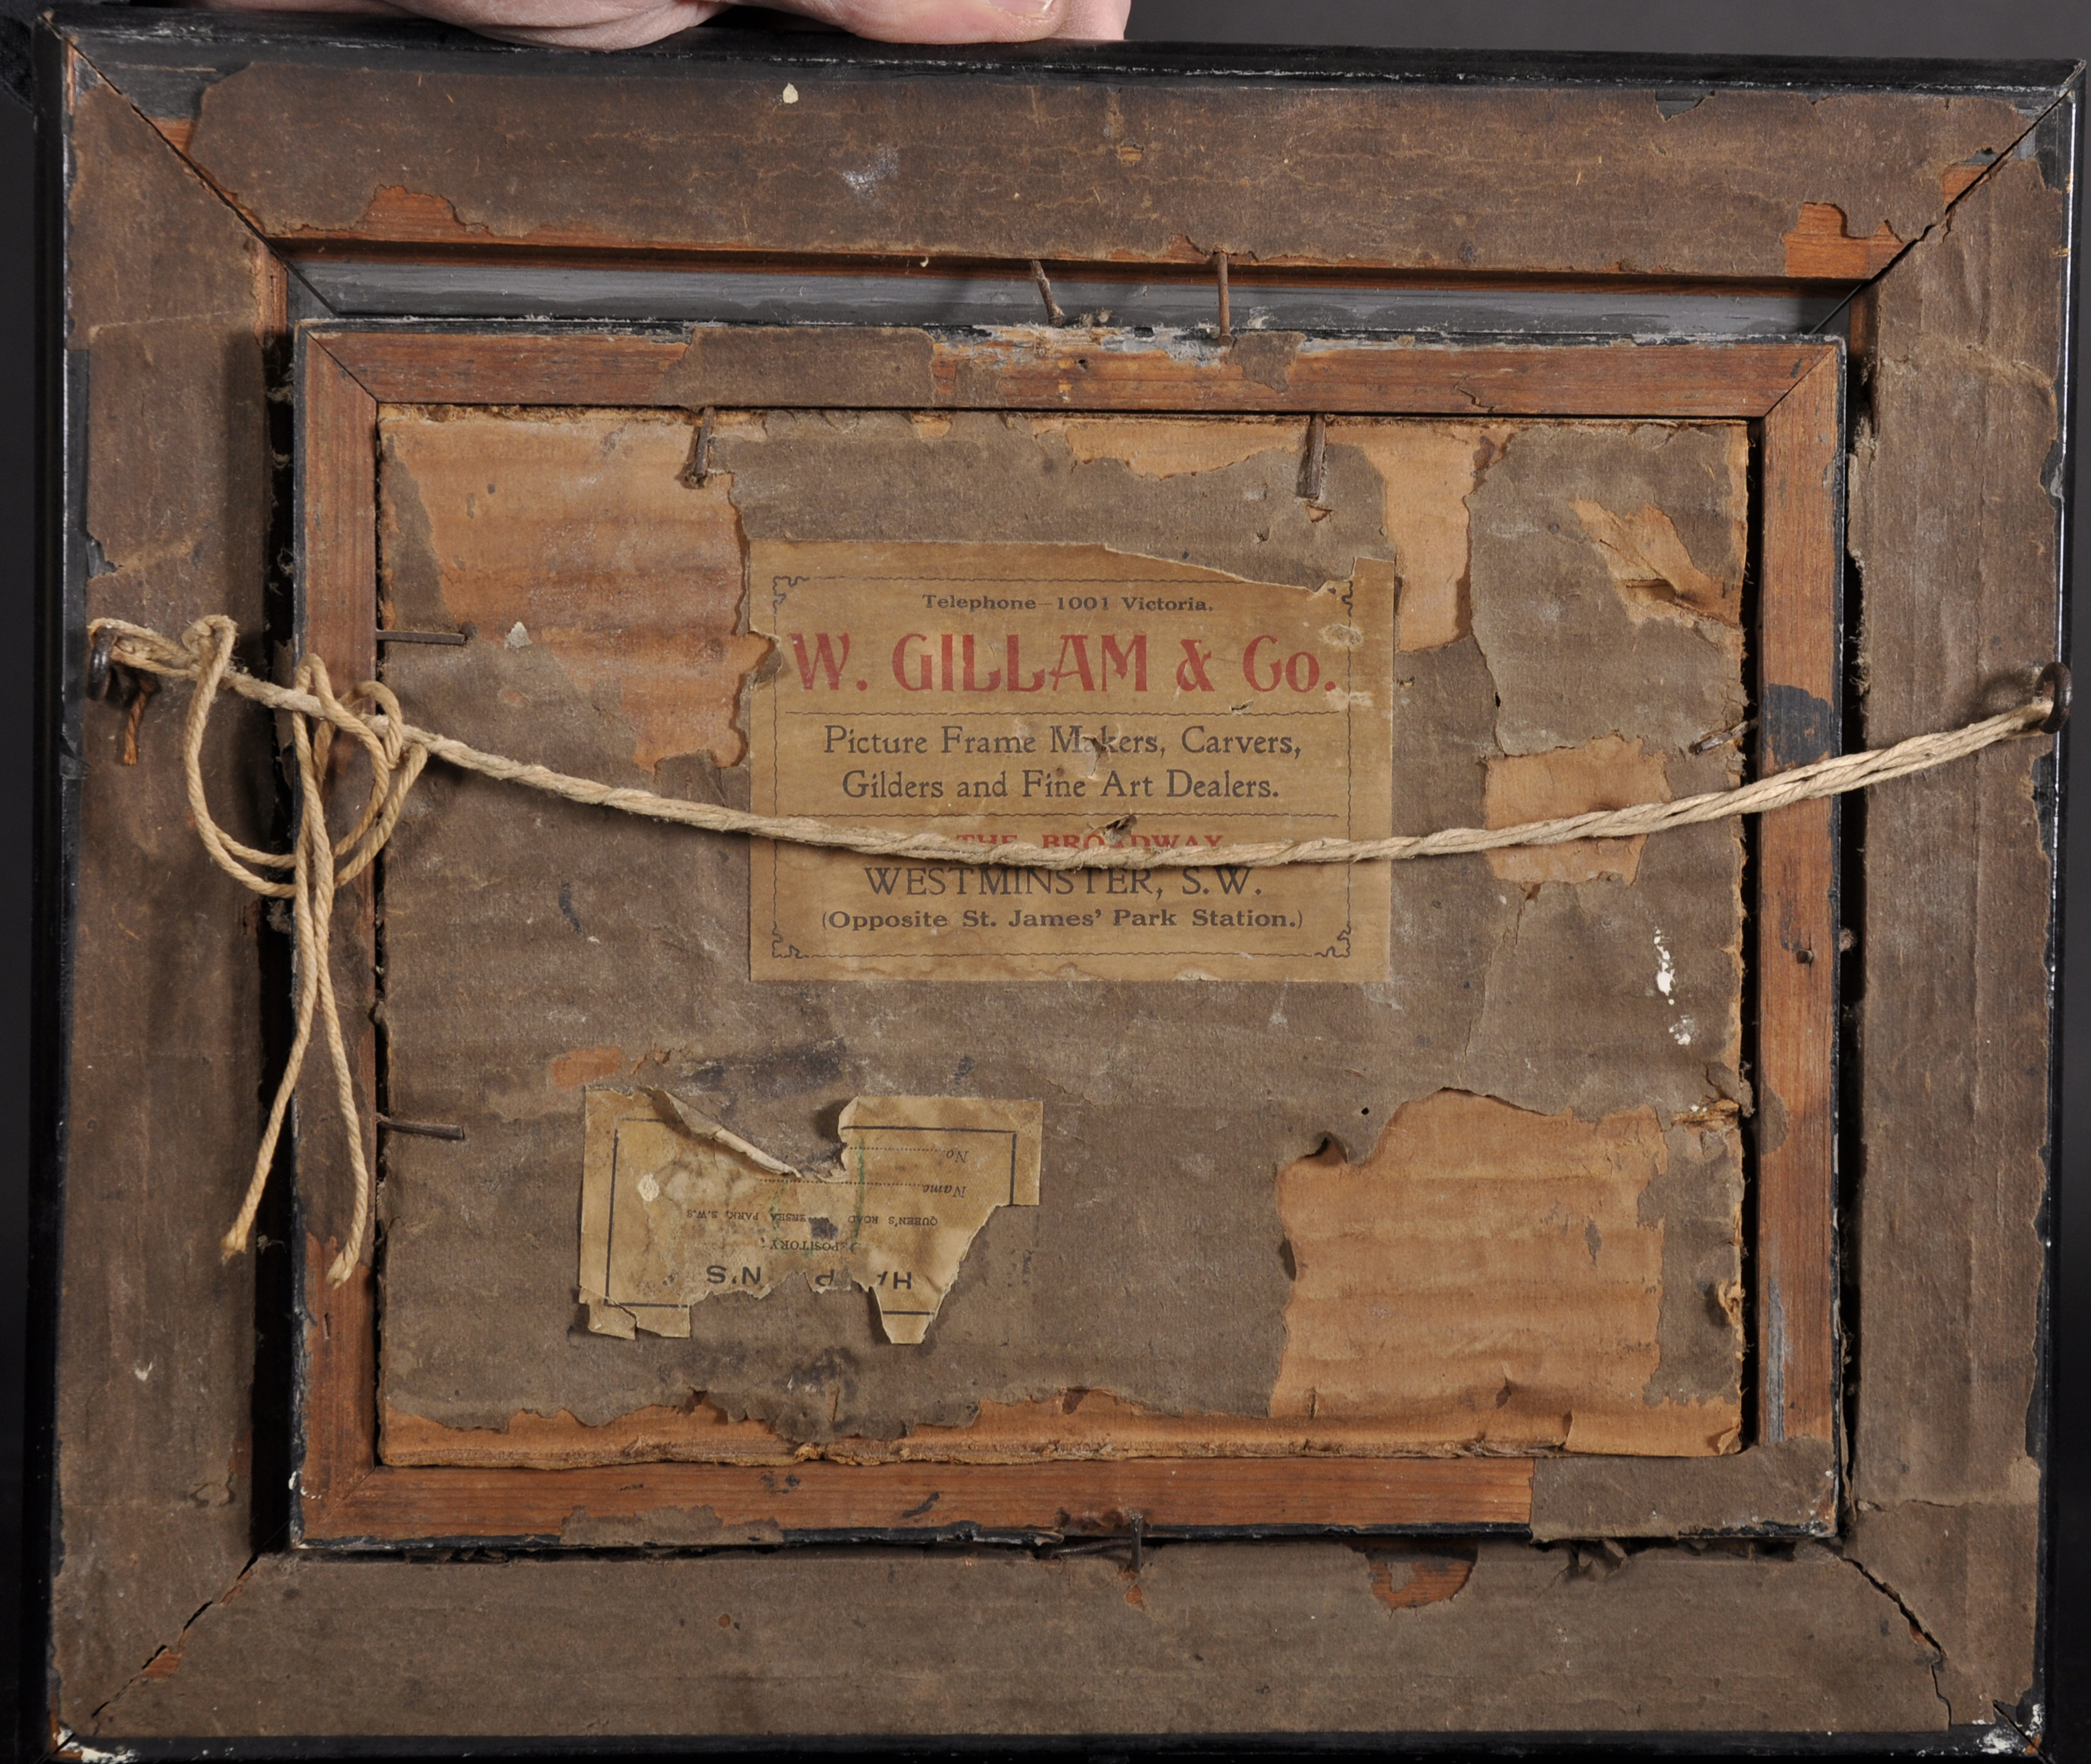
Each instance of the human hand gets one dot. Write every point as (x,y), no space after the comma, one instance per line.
(628,24)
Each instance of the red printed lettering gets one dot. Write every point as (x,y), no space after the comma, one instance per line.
(1080,669)
(901,658)
(1135,654)
(1016,673)
(972,685)
(1248,667)
(823,657)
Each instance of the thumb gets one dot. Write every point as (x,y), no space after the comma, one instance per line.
(941,21)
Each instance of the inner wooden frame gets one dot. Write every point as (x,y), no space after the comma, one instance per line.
(1791,394)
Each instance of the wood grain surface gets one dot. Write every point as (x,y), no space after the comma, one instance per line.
(152,1416)
(1961,549)
(1113,165)
(1796,926)
(767,368)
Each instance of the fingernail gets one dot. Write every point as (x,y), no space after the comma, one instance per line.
(1030,9)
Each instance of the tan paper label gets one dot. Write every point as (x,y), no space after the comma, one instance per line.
(1067,695)
(676,1211)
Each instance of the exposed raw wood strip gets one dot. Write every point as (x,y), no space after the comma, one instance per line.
(338,560)
(1796,920)
(727,1504)
(340,1381)
(1038,368)
(1080,1425)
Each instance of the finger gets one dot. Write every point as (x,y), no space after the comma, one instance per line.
(1096,21)
(559,24)
(938,21)
(631,24)
(571,24)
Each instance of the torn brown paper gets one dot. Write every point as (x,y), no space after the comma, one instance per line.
(676,1209)
(1608,773)
(1533,1254)
(1068,696)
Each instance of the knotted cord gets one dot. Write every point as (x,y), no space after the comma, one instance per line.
(398,752)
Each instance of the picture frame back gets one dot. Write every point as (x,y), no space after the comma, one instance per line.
(268,227)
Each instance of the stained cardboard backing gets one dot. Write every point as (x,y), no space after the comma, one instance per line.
(1531,1110)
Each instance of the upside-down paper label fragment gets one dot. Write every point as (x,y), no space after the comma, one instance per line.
(676,1209)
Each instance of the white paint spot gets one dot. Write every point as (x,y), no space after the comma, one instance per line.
(791,94)
(517,638)
(1682,1030)
(142,1373)
(71,1745)
(882,167)
(1344,636)
(649,1188)
(1666,970)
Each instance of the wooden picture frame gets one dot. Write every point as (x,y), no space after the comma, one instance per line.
(228,1560)
(348,1496)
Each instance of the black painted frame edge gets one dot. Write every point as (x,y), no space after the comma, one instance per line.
(2035,1708)
(60,613)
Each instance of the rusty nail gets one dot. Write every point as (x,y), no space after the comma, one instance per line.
(698,467)
(1721,737)
(100,663)
(2053,684)
(420,1129)
(1139,1539)
(1053,313)
(1314,480)
(1226,308)
(421,637)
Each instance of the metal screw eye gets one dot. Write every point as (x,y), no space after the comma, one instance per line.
(2053,681)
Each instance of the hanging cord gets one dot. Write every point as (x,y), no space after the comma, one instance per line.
(317,866)
(398,752)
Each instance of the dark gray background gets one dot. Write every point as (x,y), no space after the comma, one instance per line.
(1959,29)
